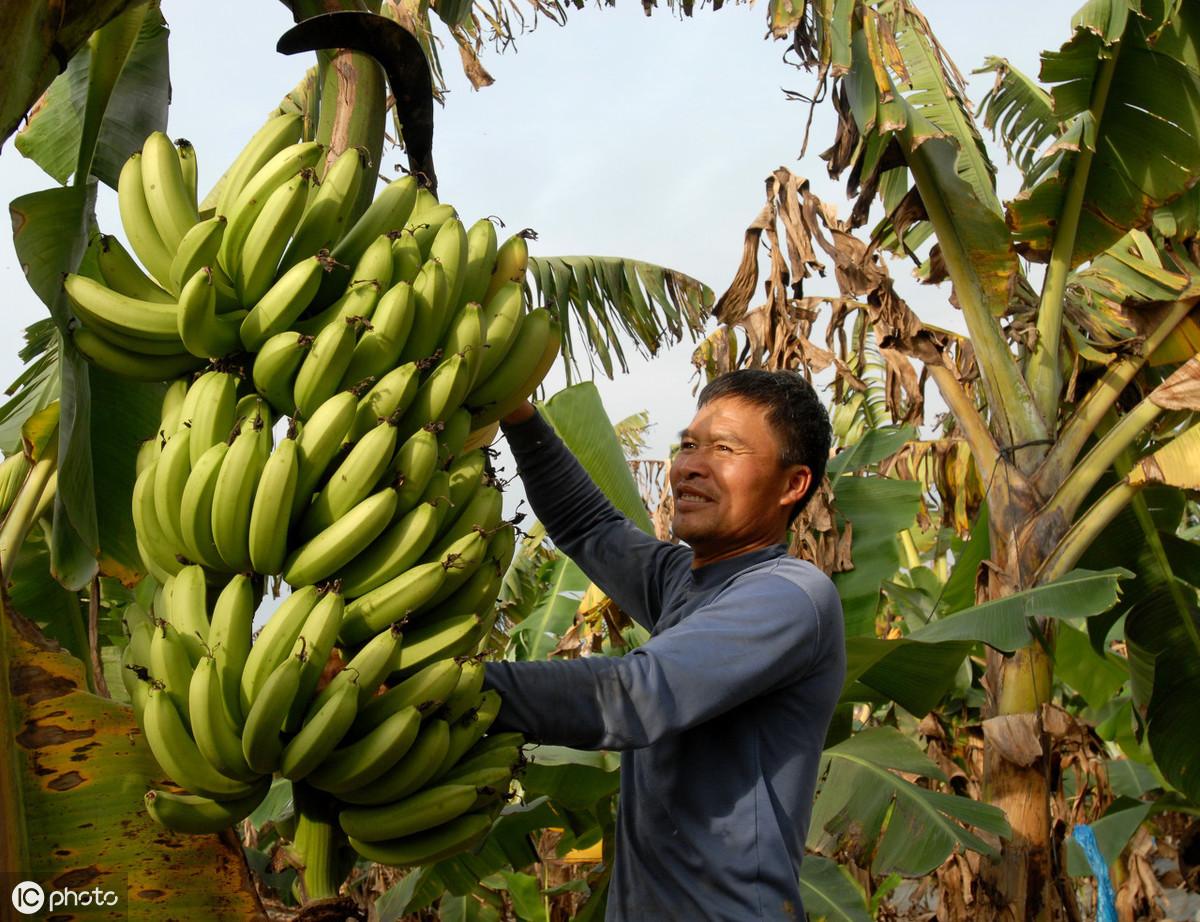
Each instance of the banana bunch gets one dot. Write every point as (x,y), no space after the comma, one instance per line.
(332,380)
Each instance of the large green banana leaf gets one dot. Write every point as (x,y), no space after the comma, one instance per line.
(71,789)
(103,105)
(1125,89)
(863,804)
(36,38)
(540,631)
(829,893)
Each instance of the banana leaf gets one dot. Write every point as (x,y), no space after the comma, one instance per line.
(578,416)
(830,894)
(877,508)
(597,297)
(71,796)
(117,88)
(1143,130)
(1004,623)
(540,631)
(863,805)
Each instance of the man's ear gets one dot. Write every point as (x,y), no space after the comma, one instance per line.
(798,480)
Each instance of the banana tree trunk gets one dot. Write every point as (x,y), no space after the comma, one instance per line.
(1020,885)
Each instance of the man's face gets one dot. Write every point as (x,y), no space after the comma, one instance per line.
(732,493)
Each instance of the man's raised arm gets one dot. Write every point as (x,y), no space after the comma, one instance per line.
(624,561)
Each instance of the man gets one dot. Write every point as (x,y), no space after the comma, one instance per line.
(721,715)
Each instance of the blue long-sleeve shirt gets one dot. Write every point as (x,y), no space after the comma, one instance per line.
(720,716)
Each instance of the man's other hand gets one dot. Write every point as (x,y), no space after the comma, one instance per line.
(522,413)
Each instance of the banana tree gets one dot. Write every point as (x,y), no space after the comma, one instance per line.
(1075,389)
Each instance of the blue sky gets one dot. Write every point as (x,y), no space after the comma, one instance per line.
(617,134)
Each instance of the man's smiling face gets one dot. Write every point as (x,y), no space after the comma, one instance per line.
(732,492)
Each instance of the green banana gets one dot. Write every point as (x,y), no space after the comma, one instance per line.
(359,764)
(154,544)
(262,742)
(171,665)
(471,764)
(461,560)
(467,692)
(283,302)
(319,442)
(321,733)
(198,815)
(512,262)
(466,337)
(396,550)
(245,209)
(278,133)
(449,247)
(469,730)
(413,468)
(379,348)
(197,250)
(365,671)
(388,211)
(172,407)
(324,366)
(406,258)
(481,256)
(431,302)
(407,774)
(233,495)
(525,353)
(215,734)
(315,643)
(425,224)
(123,275)
(357,301)
(229,637)
(426,848)
(334,547)
(503,315)
(171,205)
(452,442)
(202,331)
(415,813)
(466,479)
(275,642)
(268,237)
(481,512)
(176,753)
(398,598)
(275,369)
(190,170)
(428,642)
(139,224)
(325,219)
(213,416)
(100,307)
(426,691)
(136,655)
(267,538)
(352,480)
(533,378)
(440,395)
(195,513)
(188,591)
(487,780)
(389,395)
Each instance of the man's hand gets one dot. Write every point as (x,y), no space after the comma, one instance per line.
(522,413)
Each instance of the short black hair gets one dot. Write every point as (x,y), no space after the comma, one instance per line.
(793,410)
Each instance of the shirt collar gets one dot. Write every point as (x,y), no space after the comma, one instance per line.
(720,570)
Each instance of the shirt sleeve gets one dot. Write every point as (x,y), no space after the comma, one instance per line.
(628,564)
(760,633)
